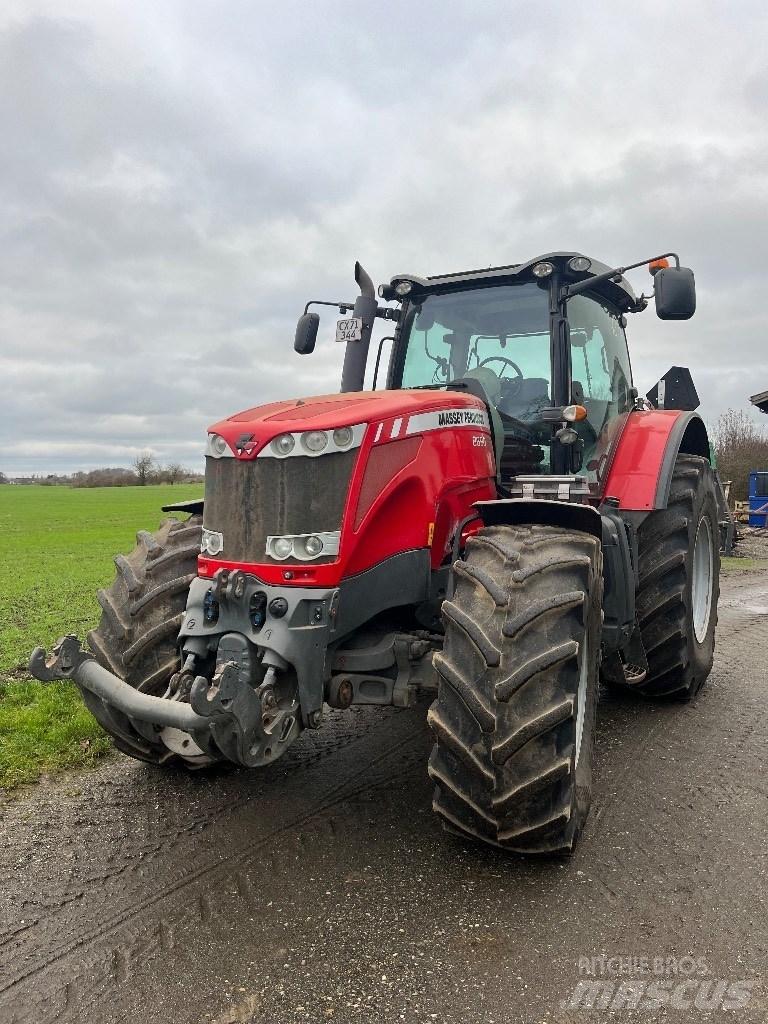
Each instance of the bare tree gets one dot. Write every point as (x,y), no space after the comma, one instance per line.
(741,446)
(144,467)
(174,472)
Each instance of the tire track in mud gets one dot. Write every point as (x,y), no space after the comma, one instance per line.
(130,858)
(335,794)
(373,763)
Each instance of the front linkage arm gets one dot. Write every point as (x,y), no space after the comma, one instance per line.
(229,709)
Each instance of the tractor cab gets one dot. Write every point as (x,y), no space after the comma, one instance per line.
(542,342)
(496,331)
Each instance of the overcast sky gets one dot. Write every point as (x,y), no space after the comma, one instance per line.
(178,178)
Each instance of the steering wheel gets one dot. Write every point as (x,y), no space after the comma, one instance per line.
(516,380)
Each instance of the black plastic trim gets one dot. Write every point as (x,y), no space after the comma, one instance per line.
(194,507)
(508,511)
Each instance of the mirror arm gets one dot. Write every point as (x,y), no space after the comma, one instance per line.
(584,286)
(343,307)
(388,312)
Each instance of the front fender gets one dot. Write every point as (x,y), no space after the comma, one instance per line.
(571,515)
(614,536)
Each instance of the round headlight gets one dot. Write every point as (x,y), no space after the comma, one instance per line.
(313,546)
(281,547)
(403,288)
(218,444)
(314,440)
(580,263)
(342,437)
(283,444)
(543,269)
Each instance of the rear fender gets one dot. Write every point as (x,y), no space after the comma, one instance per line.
(640,473)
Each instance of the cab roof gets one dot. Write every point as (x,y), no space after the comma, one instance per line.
(619,291)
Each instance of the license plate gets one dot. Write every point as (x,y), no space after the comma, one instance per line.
(349,330)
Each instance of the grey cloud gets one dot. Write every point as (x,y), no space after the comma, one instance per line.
(179,179)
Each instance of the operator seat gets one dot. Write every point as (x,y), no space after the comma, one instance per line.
(529,396)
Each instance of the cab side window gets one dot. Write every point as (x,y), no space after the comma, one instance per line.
(599,358)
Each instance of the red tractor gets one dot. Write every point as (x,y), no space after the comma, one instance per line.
(505,524)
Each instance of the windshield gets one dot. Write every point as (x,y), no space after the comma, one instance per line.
(499,335)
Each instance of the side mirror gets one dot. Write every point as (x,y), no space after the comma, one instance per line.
(306,333)
(675,291)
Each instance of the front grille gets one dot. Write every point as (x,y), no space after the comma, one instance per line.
(248,500)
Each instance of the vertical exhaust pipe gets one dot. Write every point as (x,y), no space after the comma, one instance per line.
(356,355)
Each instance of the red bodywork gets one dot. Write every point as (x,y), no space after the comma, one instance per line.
(412,486)
(636,466)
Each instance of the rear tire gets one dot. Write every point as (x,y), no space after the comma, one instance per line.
(518,679)
(679,565)
(140,621)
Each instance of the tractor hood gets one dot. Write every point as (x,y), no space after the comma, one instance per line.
(341,470)
(247,433)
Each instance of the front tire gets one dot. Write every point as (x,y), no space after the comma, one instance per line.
(136,637)
(518,679)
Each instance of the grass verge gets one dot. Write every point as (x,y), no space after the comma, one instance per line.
(56,549)
(731,565)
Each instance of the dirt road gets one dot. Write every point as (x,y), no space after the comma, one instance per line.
(323,889)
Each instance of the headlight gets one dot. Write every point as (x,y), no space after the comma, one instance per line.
(283,444)
(342,437)
(211,543)
(313,546)
(403,288)
(281,547)
(218,445)
(314,440)
(304,547)
(312,443)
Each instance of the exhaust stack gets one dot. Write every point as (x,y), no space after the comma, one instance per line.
(356,355)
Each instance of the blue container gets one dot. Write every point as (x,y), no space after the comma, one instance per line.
(758,499)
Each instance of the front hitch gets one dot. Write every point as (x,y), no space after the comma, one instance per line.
(69,661)
(263,730)
(227,710)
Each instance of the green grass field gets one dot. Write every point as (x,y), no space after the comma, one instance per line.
(56,550)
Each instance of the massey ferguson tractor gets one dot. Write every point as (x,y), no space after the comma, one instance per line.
(505,524)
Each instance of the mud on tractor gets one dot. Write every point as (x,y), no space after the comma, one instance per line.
(506,523)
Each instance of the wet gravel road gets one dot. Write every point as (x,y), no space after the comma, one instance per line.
(323,888)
